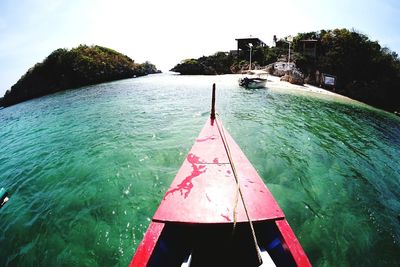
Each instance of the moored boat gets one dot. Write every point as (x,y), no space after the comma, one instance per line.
(252,83)
(254,80)
(218,212)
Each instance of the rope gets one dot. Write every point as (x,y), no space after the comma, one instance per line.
(238,191)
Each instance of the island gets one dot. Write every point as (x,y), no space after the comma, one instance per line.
(219,63)
(354,65)
(71,68)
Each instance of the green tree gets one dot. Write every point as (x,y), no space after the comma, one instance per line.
(364,70)
(79,66)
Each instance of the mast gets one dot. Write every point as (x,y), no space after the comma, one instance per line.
(212,115)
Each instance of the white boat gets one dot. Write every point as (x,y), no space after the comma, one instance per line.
(254,80)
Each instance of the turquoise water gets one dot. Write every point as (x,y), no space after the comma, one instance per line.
(86,168)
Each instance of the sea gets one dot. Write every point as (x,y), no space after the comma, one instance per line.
(87,168)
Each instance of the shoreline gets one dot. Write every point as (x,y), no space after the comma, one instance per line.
(275,81)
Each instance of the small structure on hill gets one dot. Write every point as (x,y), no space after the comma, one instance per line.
(280,68)
(308,47)
(244,44)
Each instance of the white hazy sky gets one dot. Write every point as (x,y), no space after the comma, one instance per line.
(166,31)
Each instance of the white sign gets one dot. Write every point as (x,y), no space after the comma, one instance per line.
(329,80)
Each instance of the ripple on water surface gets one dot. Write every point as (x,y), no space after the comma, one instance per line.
(87,168)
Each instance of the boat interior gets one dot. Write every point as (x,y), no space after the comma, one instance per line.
(194,245)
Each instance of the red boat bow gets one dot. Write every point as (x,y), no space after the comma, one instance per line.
(205,192)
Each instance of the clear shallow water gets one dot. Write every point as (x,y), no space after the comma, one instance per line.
(87,168)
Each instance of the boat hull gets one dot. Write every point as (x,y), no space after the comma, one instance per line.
(218,207)
(252,83)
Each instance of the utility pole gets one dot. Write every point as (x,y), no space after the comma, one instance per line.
(250,45)
(289,40)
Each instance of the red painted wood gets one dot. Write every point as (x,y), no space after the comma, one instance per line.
(260,203)
(292,243)
(208,145)
(204,190)
(146,247)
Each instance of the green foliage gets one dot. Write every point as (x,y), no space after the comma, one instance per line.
(191,67)
(218,63)
(271,55)
(225,62)
(80,66)
(364,70)
(147,68)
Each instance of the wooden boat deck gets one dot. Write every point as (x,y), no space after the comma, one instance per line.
(205,189)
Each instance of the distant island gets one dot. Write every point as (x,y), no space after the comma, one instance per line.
(64,69)
(363,69)
(219,63)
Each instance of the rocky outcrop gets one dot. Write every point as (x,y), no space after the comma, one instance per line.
(293,77)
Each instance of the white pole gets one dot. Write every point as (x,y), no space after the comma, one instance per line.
(289,40)
(250,54)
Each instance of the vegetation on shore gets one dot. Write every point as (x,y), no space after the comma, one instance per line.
(226,63)
(364,69)
(80,66)
(219,63)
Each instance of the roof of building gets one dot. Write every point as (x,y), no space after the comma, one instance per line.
(243,42)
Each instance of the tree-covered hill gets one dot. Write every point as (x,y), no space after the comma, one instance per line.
(365,70)
(64,69)
(218,63)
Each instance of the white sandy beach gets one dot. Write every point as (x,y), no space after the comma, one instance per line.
(275,82)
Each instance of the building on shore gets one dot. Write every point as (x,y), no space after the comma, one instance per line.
(243,47)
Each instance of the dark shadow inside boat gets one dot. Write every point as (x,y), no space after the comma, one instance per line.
(219,245)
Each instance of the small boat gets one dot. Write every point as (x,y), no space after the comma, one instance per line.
(218,212)
(254,80)
(252,83)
